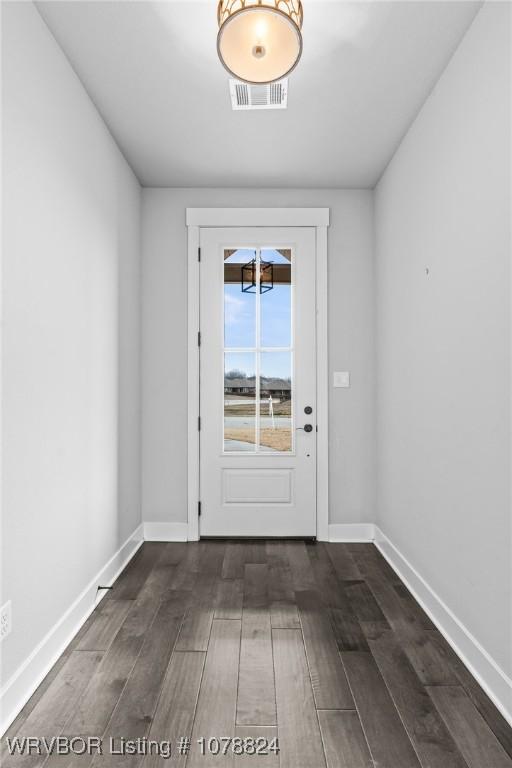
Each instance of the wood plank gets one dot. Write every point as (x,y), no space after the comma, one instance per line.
(255,733)
(343,562)
(158,584)
(256,597)
(363,602)
(389,744)
(254,552)
(195,629)
(299,732)
(49,715)
(174,715)
(108,618)
(128,585)
(234,561)
(99,699)
(476,741)
(371,619)
(276,554)
(162,578)
(413,607)
(172,552)
(284,615)
(229,599)
(343,739)
(256,704)
(256,695)
(427,731)
(428,663)
(36,697)
(283,609)
(238,554)
(185,574)
(215,713)
(300,566)
(374,629)
(77,638)
(482,702)
(134,712)
(330,686)
(385,568)
(371,563)
(347,629)
(212,557)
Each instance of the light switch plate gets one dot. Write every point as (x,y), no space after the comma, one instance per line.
(341,379)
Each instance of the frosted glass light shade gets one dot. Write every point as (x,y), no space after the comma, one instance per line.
(259,41)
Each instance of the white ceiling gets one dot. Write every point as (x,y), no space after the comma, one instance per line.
(152,70)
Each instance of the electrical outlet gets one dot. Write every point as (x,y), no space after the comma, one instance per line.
(5,620)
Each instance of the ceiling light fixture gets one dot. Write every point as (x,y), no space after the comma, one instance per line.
(259,41)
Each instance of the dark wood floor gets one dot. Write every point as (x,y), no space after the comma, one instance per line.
(319,645)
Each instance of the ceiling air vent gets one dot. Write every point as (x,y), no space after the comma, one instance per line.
(264,96)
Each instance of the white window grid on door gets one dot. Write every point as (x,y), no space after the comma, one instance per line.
(258,350)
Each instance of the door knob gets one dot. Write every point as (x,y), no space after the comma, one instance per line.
(306,428)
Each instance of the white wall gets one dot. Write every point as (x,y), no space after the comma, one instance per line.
(71,210)
(164,344)
(443,339)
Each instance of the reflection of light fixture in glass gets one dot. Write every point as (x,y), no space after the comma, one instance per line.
(249,275)
(259,41)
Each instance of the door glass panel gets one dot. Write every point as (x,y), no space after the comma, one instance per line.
(239,401)
(276,302)
(239,305)
(276,421)
(258,350)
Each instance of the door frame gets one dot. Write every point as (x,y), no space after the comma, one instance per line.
(258,217)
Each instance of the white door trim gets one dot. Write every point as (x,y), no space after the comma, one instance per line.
(258,217)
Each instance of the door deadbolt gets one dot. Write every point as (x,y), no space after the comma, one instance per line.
(308,409)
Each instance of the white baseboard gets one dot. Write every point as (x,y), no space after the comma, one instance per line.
(489,675)
(351,532)
(22,684)
(165,531)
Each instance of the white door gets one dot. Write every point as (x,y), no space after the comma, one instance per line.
(258,382)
